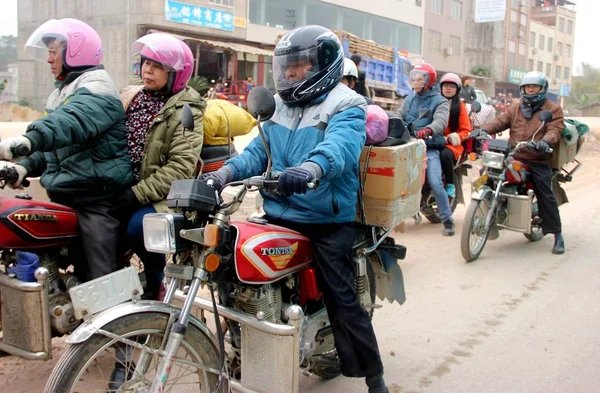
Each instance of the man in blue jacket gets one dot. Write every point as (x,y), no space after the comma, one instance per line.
(318,132)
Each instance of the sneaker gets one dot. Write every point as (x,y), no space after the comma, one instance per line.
(448,228)
(450,190)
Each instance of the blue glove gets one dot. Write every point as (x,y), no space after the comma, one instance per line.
(220,177)
(295,180)
(542,147)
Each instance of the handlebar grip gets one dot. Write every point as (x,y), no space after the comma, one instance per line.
(550,150)
(313,184)
(20,151)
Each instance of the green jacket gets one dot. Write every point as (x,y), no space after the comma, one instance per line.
(169,155)
(80,145)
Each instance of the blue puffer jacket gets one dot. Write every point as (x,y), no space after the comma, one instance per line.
(331,131)
(429,110)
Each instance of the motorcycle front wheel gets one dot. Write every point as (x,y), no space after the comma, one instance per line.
(474,235)
(88,366)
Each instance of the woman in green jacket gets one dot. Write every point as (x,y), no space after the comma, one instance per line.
(160,150)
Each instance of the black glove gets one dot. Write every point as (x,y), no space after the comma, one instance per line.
(295,180)
(542,147)
(478,133)
(125,206)
(220,177)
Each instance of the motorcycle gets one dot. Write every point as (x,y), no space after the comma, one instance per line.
(275,325)
(503,196)
(429,207)
(50,231)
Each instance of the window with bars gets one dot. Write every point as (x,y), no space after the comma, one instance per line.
(435,41)
(436,6)
(541,42)
(558,74)
(530,68)
(568,50)
(549,70)
(226,3)
(570,27)
(561,25)
(540,66)
(456,9)
(567,73)
(559,48)
(455,45)
(550,44)
(532,37)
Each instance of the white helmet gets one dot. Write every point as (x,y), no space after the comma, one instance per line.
(350,68)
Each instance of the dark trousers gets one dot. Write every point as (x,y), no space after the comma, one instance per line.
(99,235)
(352,329)
(541,175)
(447,159)
(154,264)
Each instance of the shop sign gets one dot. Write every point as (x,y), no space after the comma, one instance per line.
(515,76)
(198,16)
(489,10)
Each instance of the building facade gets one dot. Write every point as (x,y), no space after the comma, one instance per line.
(231,39)
(444,35)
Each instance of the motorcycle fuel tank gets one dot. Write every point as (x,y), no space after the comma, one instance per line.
(267,253)
(27,224)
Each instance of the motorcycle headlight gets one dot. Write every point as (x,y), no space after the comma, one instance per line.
(161,232)
(493,160)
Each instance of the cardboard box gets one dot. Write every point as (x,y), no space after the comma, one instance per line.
(393,181)
(562,154)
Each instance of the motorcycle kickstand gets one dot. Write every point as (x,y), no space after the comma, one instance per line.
(418,218)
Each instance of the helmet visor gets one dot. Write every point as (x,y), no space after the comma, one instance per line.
(161,48)
(50,38)
(419,79)
(292,68)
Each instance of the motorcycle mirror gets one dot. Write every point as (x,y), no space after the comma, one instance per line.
(545,116)
(261,103)
(187,118)
(476,107)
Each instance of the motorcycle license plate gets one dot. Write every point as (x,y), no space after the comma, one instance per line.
(105,292)
(477,184)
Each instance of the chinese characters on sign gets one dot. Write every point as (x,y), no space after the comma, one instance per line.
(515,76)
(489,10)
(198,16)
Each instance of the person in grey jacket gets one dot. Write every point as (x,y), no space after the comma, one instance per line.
(426,114)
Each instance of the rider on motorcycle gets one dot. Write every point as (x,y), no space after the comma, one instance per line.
(350,78)
(79,148)
(426,112)
(458,129)
(523,122)
(318,132)
(160,151)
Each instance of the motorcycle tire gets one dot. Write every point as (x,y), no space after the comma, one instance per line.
(328,365)
(73,364)
(468,253)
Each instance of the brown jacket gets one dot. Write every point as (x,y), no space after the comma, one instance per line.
(521,129)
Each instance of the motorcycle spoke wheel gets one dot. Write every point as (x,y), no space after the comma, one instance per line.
(88,366)
(474,234)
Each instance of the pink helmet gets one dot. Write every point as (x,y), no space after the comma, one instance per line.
(81,45)
(451,78)
(174,54)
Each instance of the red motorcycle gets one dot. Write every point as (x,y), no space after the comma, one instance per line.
(275,321)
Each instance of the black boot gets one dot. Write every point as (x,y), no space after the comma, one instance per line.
(376,384)
(559,244)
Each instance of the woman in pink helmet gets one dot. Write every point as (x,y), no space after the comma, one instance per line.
(160,152)
(79,148)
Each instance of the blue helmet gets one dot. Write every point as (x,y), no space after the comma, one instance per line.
(534,78)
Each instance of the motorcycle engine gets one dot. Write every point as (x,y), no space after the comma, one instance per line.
(264,302)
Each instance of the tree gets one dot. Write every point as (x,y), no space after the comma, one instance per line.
(8,50)
(585,88)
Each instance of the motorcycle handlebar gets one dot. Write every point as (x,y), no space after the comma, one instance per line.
(11,175)
(261,183)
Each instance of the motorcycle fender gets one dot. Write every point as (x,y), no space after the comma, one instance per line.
(92,325)
(482,193)
(388,277)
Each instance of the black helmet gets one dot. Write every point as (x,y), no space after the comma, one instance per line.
(308,62)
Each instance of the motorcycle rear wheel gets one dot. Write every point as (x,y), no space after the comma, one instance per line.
(474,235)
(82,364)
